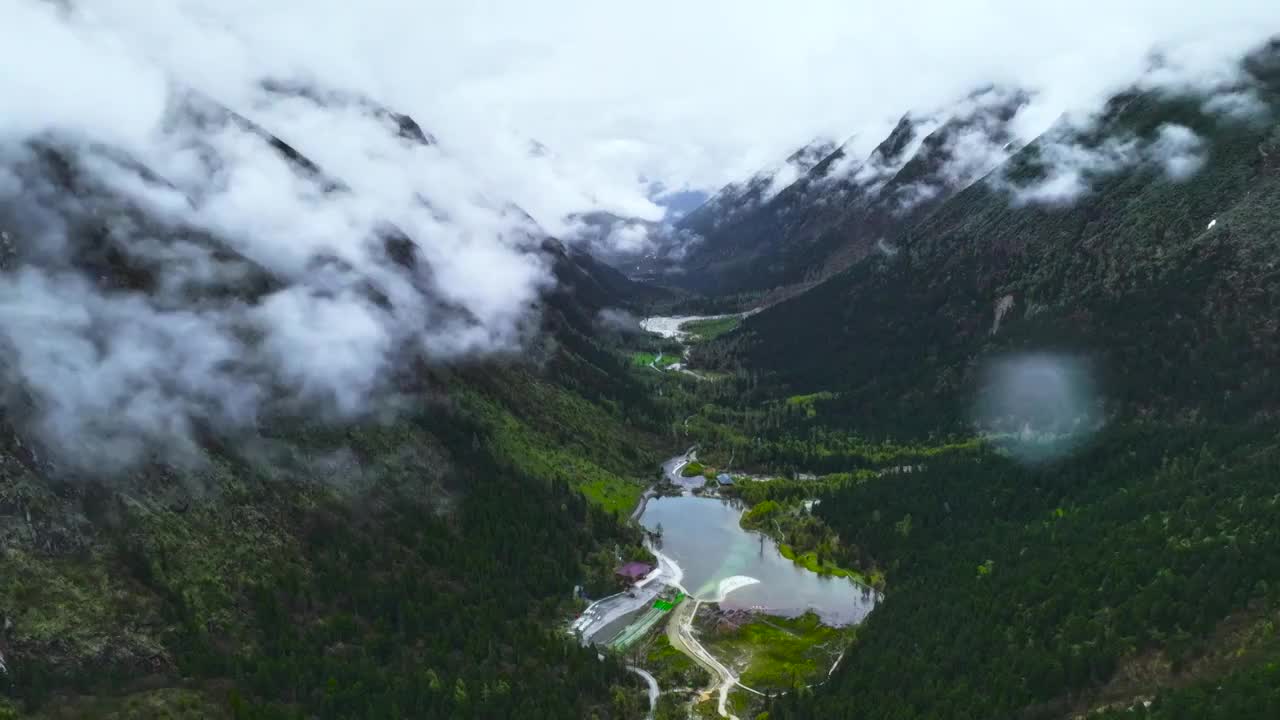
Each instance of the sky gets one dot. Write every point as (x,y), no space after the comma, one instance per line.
(554,108)
(693,95)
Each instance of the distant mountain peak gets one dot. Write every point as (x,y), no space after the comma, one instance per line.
(776,230)
(813,153)
(406,127)
(738,198)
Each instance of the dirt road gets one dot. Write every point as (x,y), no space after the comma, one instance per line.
(680,635)
(654,691)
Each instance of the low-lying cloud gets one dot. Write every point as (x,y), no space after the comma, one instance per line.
(618,321)
(1067,164)
(179,263)
(630,237)
(1238,105)
(1070,156)
(173,266)
(1066,167)
(1178,150)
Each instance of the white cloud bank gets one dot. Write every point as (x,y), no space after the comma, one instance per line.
(689,94)
(169,273)
(1068,165)
(708,93)
(696,94)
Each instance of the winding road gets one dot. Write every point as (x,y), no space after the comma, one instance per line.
(654,690)
(602,613)
(680,624)
(680,635)
(673,467)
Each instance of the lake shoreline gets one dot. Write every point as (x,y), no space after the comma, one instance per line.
(703,536)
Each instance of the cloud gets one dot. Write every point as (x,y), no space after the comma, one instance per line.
(881,166)
(1239,105)
(724,98)
(632,238)
(1178,150)
(973,153)
(1066,166)
(719,103)
(986,134)
(970,138)
(620,321)
(114,376)
(611,236)
(304,287)
(174,268)
(1065,163)
(321,345)
(909,196)
(779,177)
(51,50)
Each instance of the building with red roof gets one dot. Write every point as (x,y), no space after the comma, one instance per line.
(634,571)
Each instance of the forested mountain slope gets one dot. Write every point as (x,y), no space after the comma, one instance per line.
(410,561)
(1166,284)
(738,200)
(1143,562)
(1133,564)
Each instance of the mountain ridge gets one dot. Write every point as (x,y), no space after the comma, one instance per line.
(840,210)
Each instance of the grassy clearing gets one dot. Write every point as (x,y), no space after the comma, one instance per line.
(781,652)
(706,709)
(579,455)
(672,668)
(745,704)
(702,330)
(809,561)
(612,493)
(808,403)
(692,469)
(598,484)
(813,545)
(645,359)
(810,398)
